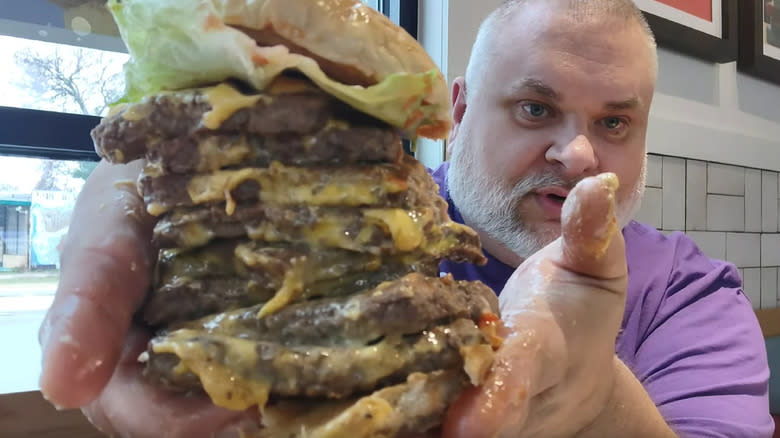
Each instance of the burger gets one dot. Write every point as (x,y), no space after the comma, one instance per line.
(298,244)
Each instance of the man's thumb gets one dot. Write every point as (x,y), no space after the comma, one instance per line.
(592,242)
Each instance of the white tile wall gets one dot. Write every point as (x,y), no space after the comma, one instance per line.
(696,195)
(674,193)
(654,171)
(768,287)
(730,212)
(770,249)
(751,280)
(753,200)
(725,213)
(741,249)
(725,180)
(651,210)
(712,244)
(769,202)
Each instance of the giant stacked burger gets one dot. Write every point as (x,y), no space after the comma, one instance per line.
(298,243)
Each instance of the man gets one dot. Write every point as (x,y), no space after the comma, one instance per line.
(554,105)
(554,92)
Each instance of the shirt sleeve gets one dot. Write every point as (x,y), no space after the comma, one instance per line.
(702,357)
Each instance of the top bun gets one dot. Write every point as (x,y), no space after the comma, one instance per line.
(360,56)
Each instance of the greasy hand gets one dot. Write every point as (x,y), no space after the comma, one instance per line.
(562,309)
(89,345)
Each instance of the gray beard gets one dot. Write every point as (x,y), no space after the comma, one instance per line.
(495,210)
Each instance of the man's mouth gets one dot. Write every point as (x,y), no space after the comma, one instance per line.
(556,194)
(556,198)
(551,201)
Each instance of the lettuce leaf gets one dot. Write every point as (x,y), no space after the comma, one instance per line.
(179,44)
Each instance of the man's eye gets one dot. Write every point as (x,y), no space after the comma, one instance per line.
(535,110)
(613,123)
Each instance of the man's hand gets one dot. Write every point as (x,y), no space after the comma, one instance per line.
(562,309)
(89,345)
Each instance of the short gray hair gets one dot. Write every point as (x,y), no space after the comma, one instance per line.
(578,9)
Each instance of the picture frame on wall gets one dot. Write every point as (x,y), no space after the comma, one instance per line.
(704,29)
(759,39)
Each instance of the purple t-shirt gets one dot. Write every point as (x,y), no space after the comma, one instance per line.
(689,333)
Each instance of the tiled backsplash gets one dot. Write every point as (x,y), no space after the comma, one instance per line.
(731,212)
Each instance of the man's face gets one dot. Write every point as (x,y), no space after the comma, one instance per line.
(559,101)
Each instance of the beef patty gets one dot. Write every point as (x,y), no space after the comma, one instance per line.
(294,124)
(186,360)
(270,263)
(336,143)
(417,404)
(229,275)
(375,231)
(194,298)
(403,306)
(405,184)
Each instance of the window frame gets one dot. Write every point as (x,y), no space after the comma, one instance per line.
(63,136)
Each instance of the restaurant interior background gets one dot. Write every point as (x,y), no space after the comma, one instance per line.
(713,171)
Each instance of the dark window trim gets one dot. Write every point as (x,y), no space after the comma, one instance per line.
(46,134)
(403,12)
(63,136)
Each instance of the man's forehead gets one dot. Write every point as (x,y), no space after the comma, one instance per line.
(543,24)
(529,45)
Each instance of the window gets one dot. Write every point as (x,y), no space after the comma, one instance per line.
(61,67)
(373,3)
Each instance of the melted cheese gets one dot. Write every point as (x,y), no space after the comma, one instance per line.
(153,169)
(118,155)
(292,287)
(222,382)
(125,184)
(407,230)
(225,100)
(477,360)
(215,156)
(140,111)
(230,203)
(289,185)
(405,227)
(293,282)
(223,378)
(156,208)
(319,420)
(195,234)
(331,231)
(362,420)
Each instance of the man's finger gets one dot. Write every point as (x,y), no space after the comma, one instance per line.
(140,409)
(592,243)
(584,266)
(501,402)
(103,280)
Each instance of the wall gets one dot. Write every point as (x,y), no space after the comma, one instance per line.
(713,139)
(447,30)
(731,212)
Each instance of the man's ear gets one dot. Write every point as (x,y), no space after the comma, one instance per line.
(458,107)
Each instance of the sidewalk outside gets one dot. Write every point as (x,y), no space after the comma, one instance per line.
(27,291)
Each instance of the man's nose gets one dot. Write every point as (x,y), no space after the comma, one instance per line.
(577,157)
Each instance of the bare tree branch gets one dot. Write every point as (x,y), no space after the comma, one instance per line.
(78,80)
